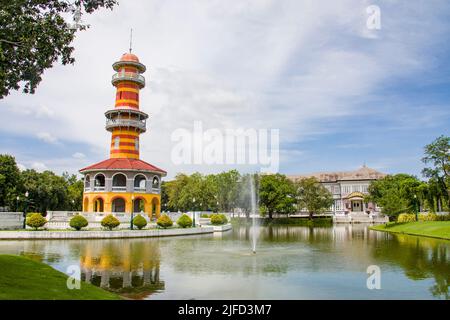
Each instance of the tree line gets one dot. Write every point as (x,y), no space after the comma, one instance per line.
(227,191)
(37,191)
(404,193)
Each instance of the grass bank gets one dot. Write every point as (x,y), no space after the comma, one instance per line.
(24,279)
(434,229)
(316,222)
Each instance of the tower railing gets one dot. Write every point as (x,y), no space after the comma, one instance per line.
(128,76)
(112,123)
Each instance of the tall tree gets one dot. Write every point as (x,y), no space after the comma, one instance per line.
(10,180)
(437,154)
(34,34)
(396,193)
(227,189)
(313,196)
(276,194)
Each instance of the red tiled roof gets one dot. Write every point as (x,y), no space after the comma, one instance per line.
(123,163)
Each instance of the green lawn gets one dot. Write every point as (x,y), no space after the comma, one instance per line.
(435,229)
(24,279)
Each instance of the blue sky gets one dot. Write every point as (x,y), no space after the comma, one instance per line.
(340,94)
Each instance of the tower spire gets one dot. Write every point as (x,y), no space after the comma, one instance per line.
(131,39)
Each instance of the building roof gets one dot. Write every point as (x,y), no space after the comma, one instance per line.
(123,164)
(129,57)
(363,173)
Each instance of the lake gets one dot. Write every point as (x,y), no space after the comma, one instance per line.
(291,262)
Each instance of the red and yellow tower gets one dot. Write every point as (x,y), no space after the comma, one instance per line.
(124,183)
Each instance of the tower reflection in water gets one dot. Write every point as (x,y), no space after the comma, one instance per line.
(125,267)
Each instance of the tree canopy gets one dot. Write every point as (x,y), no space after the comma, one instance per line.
(34,34)
(313,196)
(437,154)
(46,190)
(276,194)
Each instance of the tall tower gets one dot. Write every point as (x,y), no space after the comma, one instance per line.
(124,183)
(126,122)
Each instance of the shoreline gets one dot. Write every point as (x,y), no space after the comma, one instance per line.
(405,228)
(104,234)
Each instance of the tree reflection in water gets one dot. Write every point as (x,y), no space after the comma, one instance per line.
(420,258)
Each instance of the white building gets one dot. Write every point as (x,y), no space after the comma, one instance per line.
(348,189)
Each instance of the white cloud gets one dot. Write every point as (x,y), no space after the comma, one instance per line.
(79,155)
(47,137)
(38,166)
(250,64)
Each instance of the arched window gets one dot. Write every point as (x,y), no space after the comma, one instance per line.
(116,142)
(155,183)
(99,182)
(87,182)
(140,183)
(119,182)
(98,205)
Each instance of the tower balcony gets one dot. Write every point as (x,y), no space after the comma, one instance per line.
(116,123)
(128,76)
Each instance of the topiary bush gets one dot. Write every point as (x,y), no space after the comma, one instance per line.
(218,219)
(110,222)
(35,220)
(140,222)
(78,222)
(224,218)
(184,221)
(164,221)
(406,217)
(204,215)
(428,217)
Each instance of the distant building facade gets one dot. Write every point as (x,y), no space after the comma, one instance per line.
(348,189)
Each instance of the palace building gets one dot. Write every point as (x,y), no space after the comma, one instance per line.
(348,189)
(124,183)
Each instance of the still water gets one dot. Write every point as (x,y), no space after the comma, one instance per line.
(291,263)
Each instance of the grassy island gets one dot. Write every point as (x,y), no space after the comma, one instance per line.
(25,279)
(434,229)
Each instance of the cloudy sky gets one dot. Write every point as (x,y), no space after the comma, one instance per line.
(340,94)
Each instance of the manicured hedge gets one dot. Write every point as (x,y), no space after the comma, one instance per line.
(35,221)
(139,221)
(78,222)
(184,221)
(164,221)
(110,222)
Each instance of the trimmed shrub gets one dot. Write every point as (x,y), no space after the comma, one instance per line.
(139,221)
(406,217)
(204,215)
(29,214)
(428,217)
(35,220)
(218,219)
(110,222)
(78,222)
(164,221)
(224,218)
(184,221)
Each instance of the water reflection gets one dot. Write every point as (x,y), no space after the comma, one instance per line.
(291,263)
(129,268)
